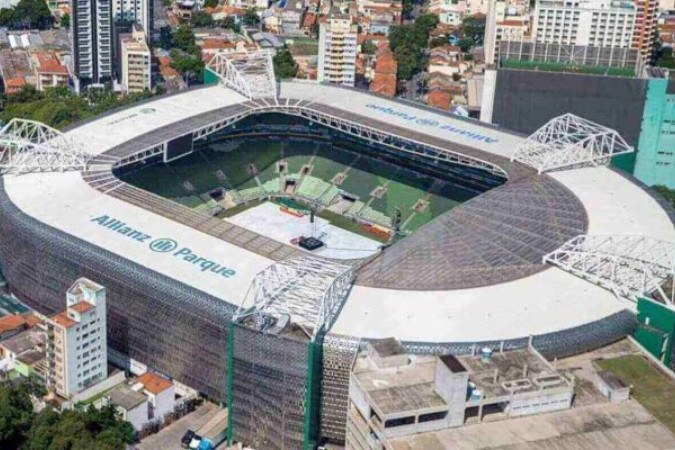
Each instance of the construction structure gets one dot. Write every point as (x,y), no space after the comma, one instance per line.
(393,394)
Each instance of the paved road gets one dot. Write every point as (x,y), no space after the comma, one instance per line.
(169,437)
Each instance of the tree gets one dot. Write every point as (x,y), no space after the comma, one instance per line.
(284,64)
(202,19)
(210,3)
(232,24)
(473,30)
(410,45)
(368,48)
(668,194)
(33,14)
(16,415)
(426,22)
(165,37)
(251,18)
(184,39)
(65,21)
(79,428)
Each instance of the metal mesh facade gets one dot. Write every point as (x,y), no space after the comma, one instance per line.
(269,379)
(170,327)
(557,344)
(339,353)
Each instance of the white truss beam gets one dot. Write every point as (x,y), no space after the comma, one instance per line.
(629,266)
(250,74)
(30,146)
(569,141)
(308,290)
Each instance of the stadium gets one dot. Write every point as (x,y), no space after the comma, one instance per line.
(251,234)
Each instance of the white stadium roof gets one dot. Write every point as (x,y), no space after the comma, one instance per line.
(554,298)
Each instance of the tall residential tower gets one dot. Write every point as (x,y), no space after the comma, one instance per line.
(92,42)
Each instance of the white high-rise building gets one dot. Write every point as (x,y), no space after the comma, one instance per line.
(598,23)
(137,11)
(92,41)
(337,50)
(136,70)
(77,347)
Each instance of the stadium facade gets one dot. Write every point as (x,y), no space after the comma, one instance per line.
(473,276)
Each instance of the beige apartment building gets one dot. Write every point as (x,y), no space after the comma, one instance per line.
(136,62)
(76,340)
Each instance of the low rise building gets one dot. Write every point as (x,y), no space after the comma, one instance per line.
(76,340)
(148,398)
(49,70)
(385,73)
(14,324)
(393,394)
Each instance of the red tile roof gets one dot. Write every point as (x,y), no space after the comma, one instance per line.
(82,306)
(49,63)
(154,383)
(63,320)
(10,323)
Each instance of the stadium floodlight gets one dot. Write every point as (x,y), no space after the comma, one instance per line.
(308,290)
(30,146)
(629,266)
(250,74)
(570,141)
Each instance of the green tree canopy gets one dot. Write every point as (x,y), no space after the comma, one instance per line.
(210,3)
(368,48)
(251,18)
(26,14)
(65,21)
(410,44)
(284,64)
(202,19)
(184,39)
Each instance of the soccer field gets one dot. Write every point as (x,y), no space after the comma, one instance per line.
(313,172)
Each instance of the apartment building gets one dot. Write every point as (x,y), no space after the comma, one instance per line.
(645,27)
(92,42)
(135,64)
(76,340)
(137,11)
(337,50)
(598,23)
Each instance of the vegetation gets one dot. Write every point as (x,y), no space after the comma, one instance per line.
(91,429)
(410,44)
(185,53)
(210,3)
(368,48)
(284,64)
(651,388)
(27,14)
(65,21)
(232,24)
(202,19)
(473,33)
(58,107)
(251,18)
(665,58)
(668,194)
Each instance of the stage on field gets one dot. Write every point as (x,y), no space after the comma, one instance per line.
(269,220)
